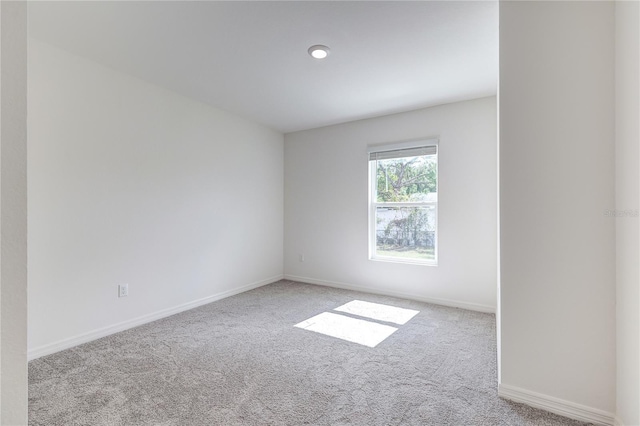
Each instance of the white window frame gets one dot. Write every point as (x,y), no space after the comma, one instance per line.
(373,204)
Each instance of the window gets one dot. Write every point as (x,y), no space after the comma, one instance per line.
(403,202)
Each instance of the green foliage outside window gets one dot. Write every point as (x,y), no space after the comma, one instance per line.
(406,179)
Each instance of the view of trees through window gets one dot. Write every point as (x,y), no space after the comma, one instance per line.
(405,207)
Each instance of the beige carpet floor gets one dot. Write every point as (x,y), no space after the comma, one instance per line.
(242,361)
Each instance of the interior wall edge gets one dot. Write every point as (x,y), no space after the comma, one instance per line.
(13,214)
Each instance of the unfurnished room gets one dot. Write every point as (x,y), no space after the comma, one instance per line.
(361,213)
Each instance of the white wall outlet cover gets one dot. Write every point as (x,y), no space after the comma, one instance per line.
(123,290)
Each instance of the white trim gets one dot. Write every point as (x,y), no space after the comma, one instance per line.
(124,325)
(372,209)
(444,302)
(617,421)
(556,405)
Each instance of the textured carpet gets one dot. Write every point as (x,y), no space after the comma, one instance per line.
(241,361)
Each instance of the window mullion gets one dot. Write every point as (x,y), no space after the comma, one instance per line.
(415,204)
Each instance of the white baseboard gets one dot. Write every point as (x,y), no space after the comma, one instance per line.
(557,405)
(124,325)
(384,292)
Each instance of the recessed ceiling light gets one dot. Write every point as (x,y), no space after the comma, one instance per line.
(318,51)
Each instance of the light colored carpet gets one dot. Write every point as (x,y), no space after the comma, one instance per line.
(241,361)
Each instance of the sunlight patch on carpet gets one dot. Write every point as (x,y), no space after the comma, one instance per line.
(346,328)
(378,311)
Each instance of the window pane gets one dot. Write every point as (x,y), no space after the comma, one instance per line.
(407,179)
(407,232)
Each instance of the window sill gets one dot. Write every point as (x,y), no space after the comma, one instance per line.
(404,261)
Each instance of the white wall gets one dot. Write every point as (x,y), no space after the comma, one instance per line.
(13,213)
(556,181)
(627,199)
(326,196)
(131,183)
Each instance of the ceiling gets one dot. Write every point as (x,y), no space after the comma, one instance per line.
(250,58)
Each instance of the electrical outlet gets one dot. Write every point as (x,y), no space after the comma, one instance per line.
(301,258)
(123,290)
